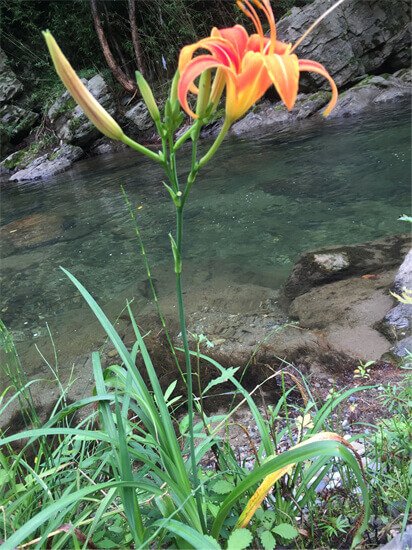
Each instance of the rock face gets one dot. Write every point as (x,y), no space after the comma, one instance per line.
(328,264)
(10,85)
(15,122)
(140,116)
(357,38)
(397,324)
(49,164)
(69,121)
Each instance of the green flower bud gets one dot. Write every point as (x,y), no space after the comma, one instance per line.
(148,97)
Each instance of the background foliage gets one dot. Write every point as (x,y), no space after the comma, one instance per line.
(164,27)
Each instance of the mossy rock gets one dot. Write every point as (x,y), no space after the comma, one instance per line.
(15,159)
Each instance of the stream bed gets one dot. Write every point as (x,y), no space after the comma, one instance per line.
(252,211)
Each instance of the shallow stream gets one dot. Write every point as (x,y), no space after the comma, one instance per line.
(261,203)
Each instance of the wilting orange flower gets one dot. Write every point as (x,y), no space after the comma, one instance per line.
(247,65)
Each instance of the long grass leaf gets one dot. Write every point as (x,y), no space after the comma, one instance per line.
(263,431)
(46,514)
(190,535)
(292,456)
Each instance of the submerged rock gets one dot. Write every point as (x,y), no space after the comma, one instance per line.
(328,264)
(33,230)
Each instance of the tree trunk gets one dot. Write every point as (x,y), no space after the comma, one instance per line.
(117,72)
(112,40)
(135,37)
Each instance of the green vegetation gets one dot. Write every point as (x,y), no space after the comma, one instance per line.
(120,475)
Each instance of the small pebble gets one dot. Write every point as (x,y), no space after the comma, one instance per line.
(352,399)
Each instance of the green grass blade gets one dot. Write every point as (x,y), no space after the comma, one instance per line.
(309,451)
(45,515)
(130,503)
(83,434)
(190,535)
(261,425)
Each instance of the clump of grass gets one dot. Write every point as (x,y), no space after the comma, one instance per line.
(121,477)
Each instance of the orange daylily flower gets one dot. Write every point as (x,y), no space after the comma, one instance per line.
(247,65)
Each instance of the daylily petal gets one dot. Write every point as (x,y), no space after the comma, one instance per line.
(255,41)
(91,107)
(196,67)
(252,83)
(312,66)
(220,48)
(238,38)
(247,65)
(284,73)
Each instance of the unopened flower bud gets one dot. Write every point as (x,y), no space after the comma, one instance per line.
(204,93)
(147,96)
(91,107)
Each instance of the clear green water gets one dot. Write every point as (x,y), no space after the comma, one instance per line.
(264,201)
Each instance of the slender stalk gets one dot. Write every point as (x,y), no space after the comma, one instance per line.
(189,383)
(142,149)
(216,144)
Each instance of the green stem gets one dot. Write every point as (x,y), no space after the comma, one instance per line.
(189,384)
(216,144)
(183,138)
(142,149)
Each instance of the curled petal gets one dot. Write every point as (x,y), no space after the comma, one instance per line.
(255,41)
(251,84)
(284,73)
(221,49)
(91,107)
(196,67)
(312,66)
(237,37)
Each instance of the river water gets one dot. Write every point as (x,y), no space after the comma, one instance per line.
(250,214)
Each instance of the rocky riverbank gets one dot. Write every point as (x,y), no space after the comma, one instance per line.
(364,45)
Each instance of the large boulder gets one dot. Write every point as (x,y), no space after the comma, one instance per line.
(403,279)
(49,164)
(373,91)
(357,38)
(15,124)
(370,93)
(397,324)
(68,119)
(10,85)
(328,264)
(140,116)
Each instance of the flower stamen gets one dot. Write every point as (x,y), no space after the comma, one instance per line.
(267,9)
(251,13)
